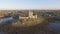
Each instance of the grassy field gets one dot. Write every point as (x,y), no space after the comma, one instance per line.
(35,26)
(29,22)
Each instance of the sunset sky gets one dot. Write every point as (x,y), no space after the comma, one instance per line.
(29,4)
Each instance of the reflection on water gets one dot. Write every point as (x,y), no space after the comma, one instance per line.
(6,20)
(3,33)
(55,26)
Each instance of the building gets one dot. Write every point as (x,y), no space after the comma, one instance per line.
(30,15)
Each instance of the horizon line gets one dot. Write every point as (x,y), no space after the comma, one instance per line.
(29,9)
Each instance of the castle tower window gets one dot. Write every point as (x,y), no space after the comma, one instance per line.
(34,14)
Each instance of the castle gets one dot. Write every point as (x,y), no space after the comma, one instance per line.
(31,15)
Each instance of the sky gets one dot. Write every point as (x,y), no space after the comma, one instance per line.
(29,4)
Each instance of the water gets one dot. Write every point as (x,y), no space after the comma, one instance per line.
(3,33)
(6,20)
(55,26)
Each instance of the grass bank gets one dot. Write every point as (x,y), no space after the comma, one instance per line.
(28,22)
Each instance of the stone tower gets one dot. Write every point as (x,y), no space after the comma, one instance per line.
(31,14)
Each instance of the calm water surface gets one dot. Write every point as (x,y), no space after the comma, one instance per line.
(55,26)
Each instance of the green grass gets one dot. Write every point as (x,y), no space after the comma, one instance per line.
(29,22)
